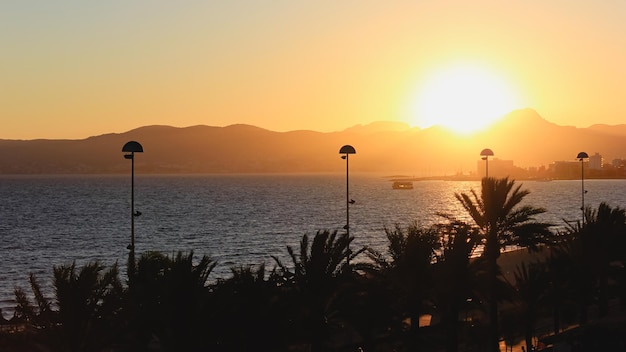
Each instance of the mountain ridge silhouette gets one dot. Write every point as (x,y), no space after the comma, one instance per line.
(384,146)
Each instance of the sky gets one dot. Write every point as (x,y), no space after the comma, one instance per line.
(74,69)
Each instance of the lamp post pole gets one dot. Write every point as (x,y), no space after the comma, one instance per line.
(581,157)
(347,150)
(131,148)
(347,198)
(486,153)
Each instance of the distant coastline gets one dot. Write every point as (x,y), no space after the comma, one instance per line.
(380,148)
(477,178)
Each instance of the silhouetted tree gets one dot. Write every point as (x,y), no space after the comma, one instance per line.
(24,309)
(89,302)
(589,249)
(455,276)
(248,311)
(45,316)
(502,220)
(369,306)
(39,316)
(412,252)
(604,230)
(169,298)
(318,271)
(531,283)
(573,260)
(562,273)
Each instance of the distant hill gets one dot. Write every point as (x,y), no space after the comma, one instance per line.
(379,126)
(619,130)
(386,147)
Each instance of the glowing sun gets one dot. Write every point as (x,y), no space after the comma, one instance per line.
(463,98)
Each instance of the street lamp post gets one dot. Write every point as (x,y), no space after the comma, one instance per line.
(131,148)
(486,153)
(347,150)
(581,157)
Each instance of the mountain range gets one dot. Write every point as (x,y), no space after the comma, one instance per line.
(385,147)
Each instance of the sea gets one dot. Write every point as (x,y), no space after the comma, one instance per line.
(237,220)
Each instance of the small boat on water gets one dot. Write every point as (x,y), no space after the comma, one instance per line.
(402,185)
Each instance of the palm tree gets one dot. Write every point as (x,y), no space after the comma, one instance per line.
(328,257)
(531,282)
(456,276)
(89,302)
(44,305)
(40,316)
(247,312)
(605,230)
(562,273)
(24,309)
(169,298)
(573,260)
(318,272)
(590,248)
(502,221)
(410,271)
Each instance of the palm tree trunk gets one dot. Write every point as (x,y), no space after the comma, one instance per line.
(415,330)
(603,293)
(556,316)
(452,324)
(493,252)
(494,336)
(528,337)
(583,311)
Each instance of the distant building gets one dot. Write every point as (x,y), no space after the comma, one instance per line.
(596,162)
(567,169)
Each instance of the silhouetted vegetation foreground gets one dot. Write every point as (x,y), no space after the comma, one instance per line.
(333,297)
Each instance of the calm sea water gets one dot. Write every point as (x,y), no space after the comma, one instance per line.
(235,219)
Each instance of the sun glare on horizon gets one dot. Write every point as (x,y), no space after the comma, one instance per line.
(464,99)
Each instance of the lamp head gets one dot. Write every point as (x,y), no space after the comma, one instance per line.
(582,155)
(347,149)
(132,147)
(486,152)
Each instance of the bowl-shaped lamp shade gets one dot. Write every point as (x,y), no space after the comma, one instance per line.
(132,147)
(486,152)
(582,155)
(347,149)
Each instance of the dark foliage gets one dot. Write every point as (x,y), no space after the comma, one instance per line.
(331,298)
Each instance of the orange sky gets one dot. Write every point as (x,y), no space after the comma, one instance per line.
(72,69)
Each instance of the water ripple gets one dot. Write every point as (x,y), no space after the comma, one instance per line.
(237,219)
